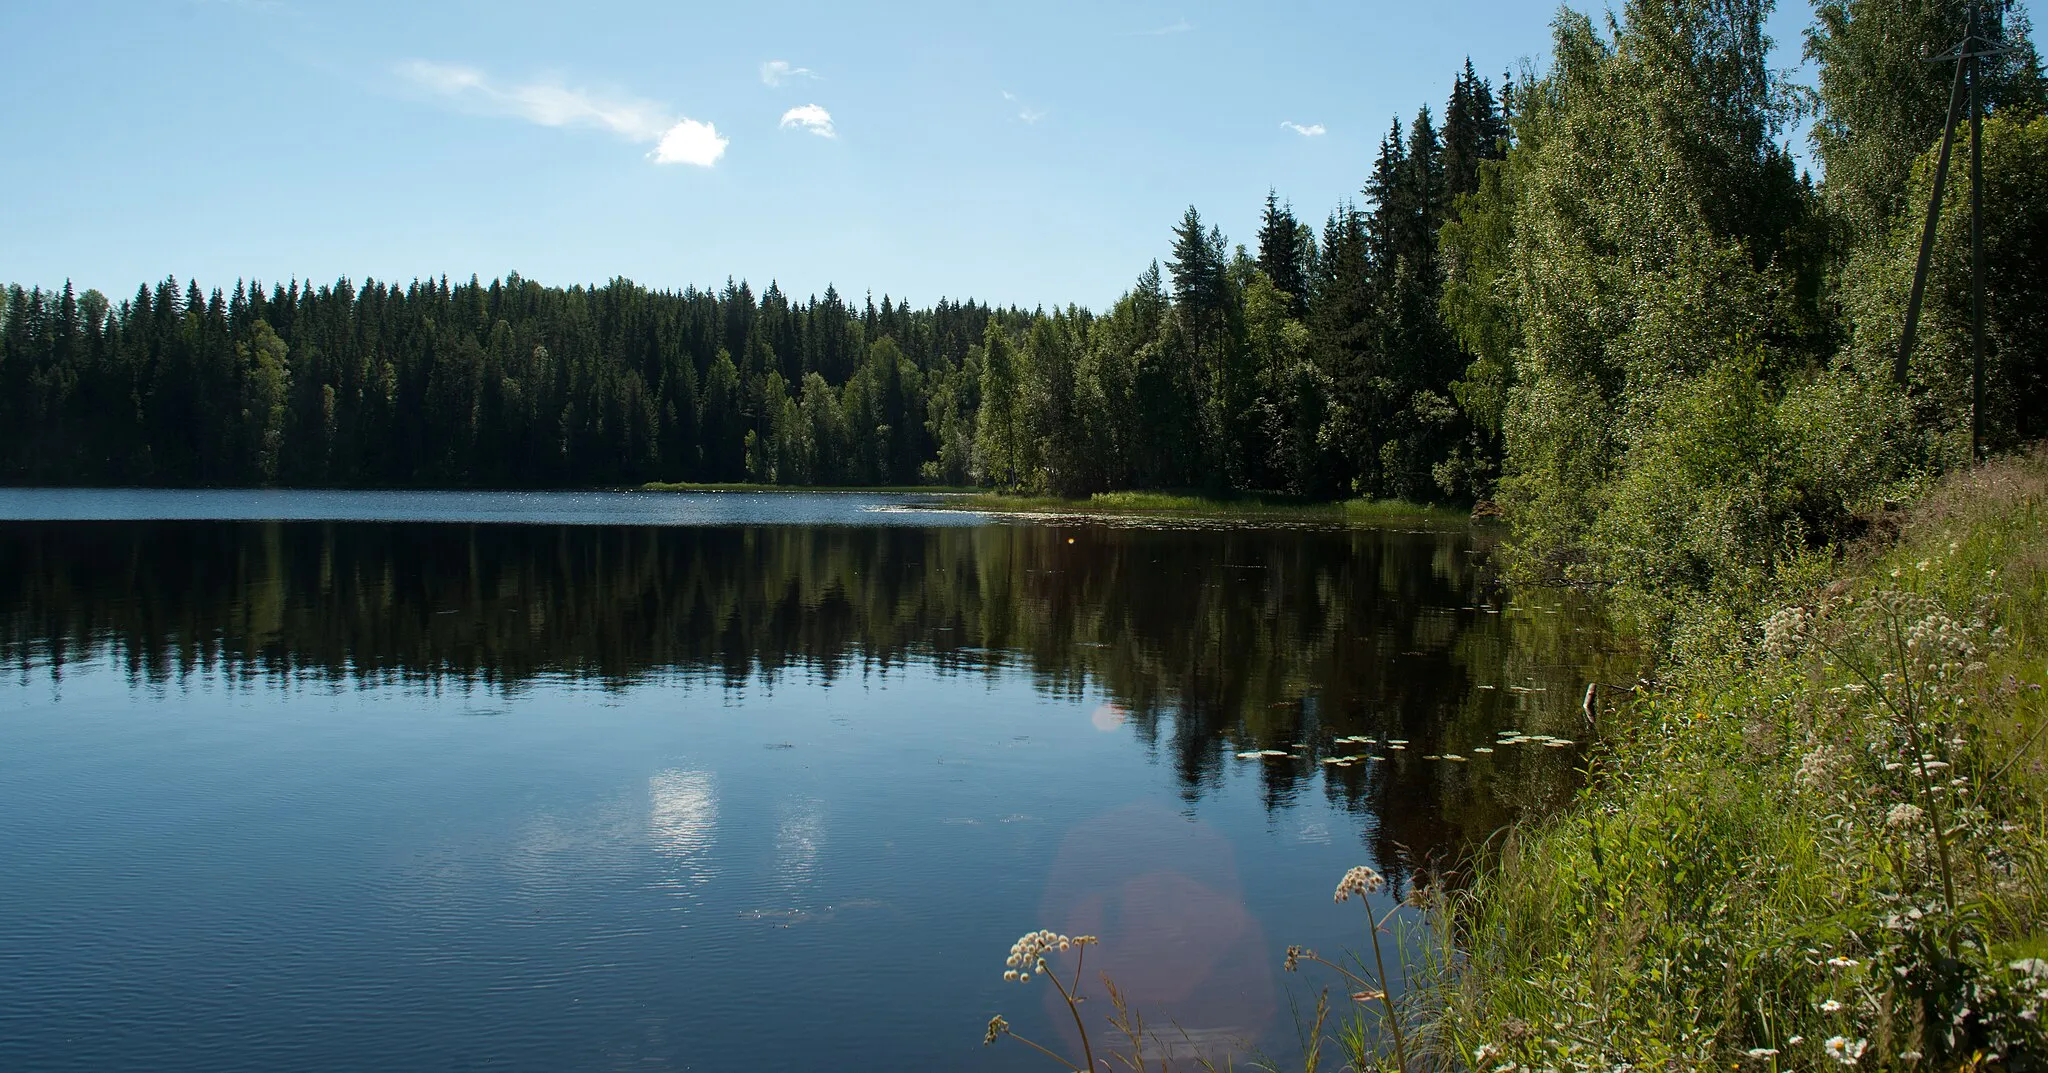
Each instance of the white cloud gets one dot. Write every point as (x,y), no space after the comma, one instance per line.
(1025,112)
(812,118)
(1313,130)
(549,103)
(776,72)
(690,142)
(1181,27)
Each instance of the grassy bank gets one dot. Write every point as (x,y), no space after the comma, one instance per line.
(1244,508)
(1819,844)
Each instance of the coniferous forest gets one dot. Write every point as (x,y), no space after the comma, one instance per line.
(1600,293)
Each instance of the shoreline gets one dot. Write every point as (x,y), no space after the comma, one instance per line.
(1163,505)
(1819,837)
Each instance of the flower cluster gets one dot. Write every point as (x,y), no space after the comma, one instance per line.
(1814,769)
(1360,881)
(1944,647)
(1902,817)
(1785,633)
(1027,955)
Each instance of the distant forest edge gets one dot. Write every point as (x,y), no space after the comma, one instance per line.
(1600,293)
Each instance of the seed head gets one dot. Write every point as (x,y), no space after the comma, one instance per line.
(1027,954)
(1360,881)
(996,1027)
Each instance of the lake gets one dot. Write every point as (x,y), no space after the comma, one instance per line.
(591,781)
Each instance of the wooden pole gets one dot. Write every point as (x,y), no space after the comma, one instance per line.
(1948,135)
(1976,243)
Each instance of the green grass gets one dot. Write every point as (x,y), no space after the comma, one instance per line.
(1244,508)
(1762,863)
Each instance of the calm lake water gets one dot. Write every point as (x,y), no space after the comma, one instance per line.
(716,782)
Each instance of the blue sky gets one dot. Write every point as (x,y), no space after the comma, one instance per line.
(1020,153)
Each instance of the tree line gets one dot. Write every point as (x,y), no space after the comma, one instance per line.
(1600,292)
(500,384)
(1316,365)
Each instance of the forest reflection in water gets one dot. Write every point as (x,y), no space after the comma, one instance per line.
(1208,643)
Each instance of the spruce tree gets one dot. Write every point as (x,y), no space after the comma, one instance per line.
(1280,252)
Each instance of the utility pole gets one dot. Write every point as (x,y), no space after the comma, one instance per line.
(1968,55)
(1976,240)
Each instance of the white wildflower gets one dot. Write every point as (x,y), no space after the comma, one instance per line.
(1785,632)
(1761,1053)
(1831,1006)
(1844,1050)
(1903,816)
(1848,963)
(1813,769)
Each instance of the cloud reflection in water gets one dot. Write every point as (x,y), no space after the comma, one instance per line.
(682,825)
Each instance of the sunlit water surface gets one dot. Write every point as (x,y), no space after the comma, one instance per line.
(717,782)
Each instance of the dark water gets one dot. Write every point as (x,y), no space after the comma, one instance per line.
(687,793)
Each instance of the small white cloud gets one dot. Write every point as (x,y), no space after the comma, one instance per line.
(446,78)
(549,103)
(690,142)
(1313,130)
(1181,27)
(1025,112)
(812,118)
(776,72)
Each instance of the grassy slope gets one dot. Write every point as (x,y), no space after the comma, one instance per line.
(1759,842)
